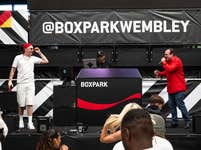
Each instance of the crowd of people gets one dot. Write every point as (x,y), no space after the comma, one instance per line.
(141,123)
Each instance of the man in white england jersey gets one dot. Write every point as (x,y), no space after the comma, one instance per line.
(24,64)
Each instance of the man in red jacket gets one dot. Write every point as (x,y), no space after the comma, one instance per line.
(176,85)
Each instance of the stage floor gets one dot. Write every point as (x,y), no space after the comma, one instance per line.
(181,139)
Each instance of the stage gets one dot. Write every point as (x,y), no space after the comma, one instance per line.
(181,139)
(71,89)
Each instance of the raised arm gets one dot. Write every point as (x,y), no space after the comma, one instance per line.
(43,57)
(170,67)
(162,73)
(158,73)
(106,137)
(110,138)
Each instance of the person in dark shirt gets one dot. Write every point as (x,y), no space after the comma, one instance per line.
(155,105)
(101,60)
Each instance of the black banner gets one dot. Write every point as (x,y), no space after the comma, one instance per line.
(111,4)
(112,27)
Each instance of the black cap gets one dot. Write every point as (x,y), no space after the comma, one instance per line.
(100,53)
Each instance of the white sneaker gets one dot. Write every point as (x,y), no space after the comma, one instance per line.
(30,126)
(21,124)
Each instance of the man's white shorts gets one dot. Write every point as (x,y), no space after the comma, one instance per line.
(25,94)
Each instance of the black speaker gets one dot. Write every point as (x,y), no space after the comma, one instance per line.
(64,116)
(11,121)
(8,102)
(64,96)
(196,123)
(64,110)
(43,124)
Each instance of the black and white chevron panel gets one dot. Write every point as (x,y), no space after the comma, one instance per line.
(17,32)
(43,102)
(44,94)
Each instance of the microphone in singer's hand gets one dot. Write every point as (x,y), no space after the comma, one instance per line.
(162,59)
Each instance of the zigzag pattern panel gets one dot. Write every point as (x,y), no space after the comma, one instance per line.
(14,27)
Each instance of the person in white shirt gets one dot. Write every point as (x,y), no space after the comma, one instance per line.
(24,64)
(158,143)
(3,127)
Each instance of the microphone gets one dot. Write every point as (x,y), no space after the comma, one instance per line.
(160,62)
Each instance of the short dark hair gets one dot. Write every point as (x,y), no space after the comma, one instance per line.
(171,50)
(53,133)
(155,98)
(138,123)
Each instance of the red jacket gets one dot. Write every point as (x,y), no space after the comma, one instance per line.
(173,70)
